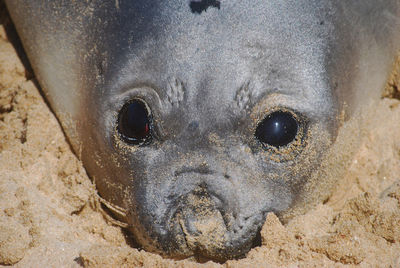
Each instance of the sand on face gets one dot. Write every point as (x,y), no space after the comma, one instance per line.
(49,215)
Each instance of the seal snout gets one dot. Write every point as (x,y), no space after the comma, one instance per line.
(202,223)
(211,224)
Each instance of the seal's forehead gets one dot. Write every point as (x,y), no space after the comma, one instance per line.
(277,45)
(284,23)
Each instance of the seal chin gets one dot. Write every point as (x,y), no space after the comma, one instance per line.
(208,231)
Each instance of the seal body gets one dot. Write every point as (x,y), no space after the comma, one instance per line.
(213,81)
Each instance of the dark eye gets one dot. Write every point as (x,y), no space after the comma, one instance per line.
(277,129)
(134,122)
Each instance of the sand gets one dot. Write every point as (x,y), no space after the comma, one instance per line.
(50,217)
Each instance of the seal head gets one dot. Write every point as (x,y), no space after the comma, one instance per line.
(211,124)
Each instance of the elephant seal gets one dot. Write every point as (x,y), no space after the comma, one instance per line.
(197,118)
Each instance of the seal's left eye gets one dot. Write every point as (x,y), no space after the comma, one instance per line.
(134,122)
(277,129)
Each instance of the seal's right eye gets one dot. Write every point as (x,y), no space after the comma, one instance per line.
(134,123)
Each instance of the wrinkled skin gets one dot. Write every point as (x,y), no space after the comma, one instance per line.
(204,185)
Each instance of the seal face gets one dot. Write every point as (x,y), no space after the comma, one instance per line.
(197,118)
